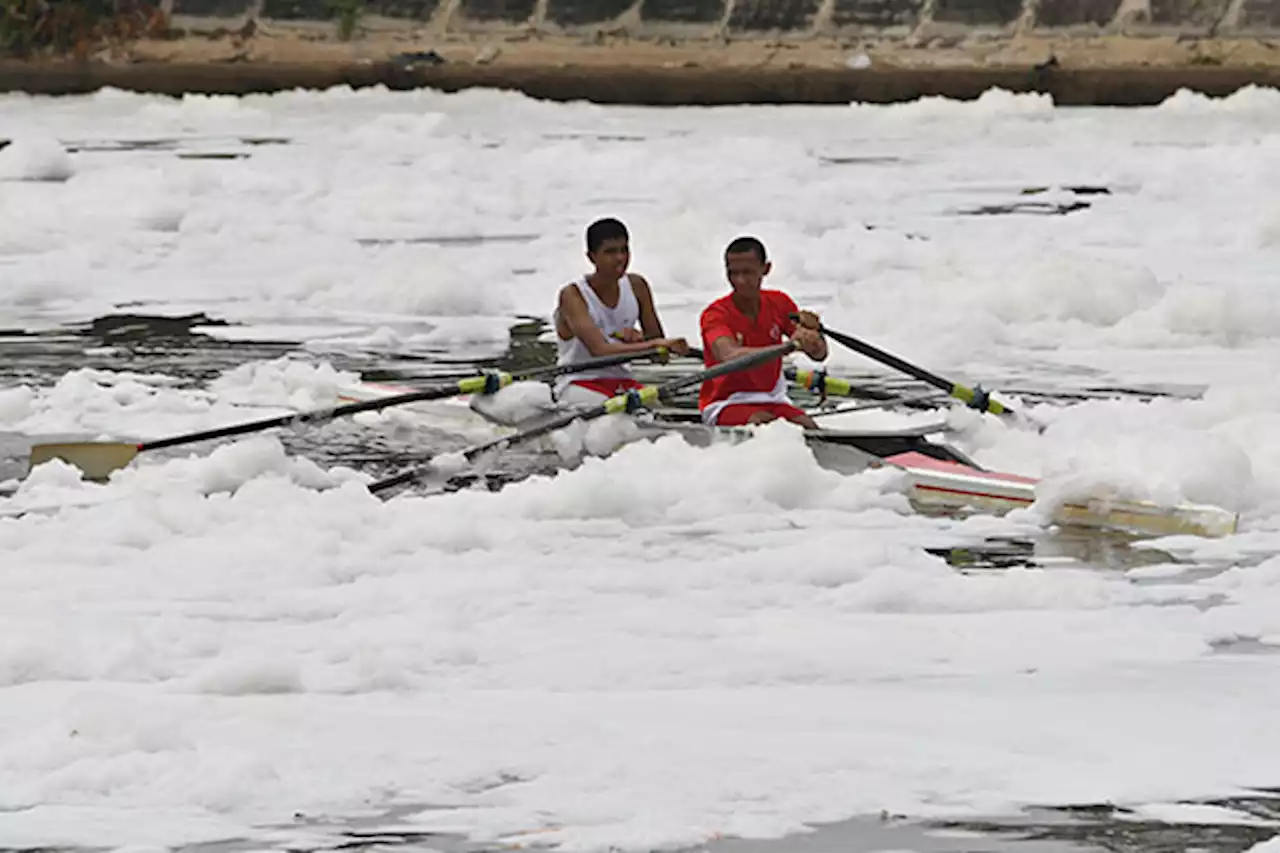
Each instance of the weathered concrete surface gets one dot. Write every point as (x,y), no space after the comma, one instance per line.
(792,19)
(877,15)
(210,8)
(574,13)
(701,51)
(1188,17)
(977,13)
(1052,14)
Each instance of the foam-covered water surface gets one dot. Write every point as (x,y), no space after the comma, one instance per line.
(672,645)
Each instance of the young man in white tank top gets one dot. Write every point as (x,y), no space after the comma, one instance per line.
(597,316)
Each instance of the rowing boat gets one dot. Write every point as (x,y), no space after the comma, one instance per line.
(939,478)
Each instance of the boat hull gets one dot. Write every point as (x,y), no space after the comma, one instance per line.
(941,479)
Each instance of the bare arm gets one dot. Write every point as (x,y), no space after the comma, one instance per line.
(576,322)
(649,322)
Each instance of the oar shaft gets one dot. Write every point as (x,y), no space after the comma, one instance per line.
(955,389)
(471,385)
(614,405)
(877,404)
(889,359)
(745,362)
(484,384)
(590,363)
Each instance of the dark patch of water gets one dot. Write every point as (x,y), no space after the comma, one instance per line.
(1074,548)
(214,155)
(140,343)
(1078,189)
(101,146)
(1052,829)
(1039,208)
(447,240)
(1121,830)
(864,160)
(598,137)
(1244,646)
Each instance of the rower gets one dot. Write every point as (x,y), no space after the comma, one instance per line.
(748,319)
(597,315)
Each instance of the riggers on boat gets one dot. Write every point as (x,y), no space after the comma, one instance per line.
(940,478)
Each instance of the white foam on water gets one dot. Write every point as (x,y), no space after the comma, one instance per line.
(117,404)
(672,642)
(35,159)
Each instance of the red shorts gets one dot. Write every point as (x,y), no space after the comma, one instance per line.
(607,387)
(738,413)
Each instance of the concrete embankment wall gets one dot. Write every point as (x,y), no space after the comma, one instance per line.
(1115,52)
(788,19)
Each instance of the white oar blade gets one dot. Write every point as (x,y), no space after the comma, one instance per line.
(95,459)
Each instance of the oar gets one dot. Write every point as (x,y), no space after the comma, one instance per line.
(619,404)
(976,397)
(904,400)
(97,459)
(818,382)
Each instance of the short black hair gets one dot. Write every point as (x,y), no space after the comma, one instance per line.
(605,229)
(747,244)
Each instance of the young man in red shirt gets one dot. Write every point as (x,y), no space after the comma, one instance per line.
(749,319)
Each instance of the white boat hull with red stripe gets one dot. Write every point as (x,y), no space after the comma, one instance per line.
(941,478)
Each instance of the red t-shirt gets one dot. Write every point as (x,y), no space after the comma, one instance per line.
(722,318)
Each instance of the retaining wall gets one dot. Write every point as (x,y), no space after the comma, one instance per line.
(667,52)
(791,19)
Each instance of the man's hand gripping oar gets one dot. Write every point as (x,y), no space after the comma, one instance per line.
(98,459)
(975,398)
(621,404)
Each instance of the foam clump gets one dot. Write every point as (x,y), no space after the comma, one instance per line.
(52,476)
(231,466)
(35,159)
(1075,287)
(992,104)
(16,404)
(517,402)
(283,381)
(1247,99)
(97,402)
(1166,465)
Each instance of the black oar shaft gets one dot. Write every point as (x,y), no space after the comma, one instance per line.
(302,418)
(975,397)
(614,405)
(483,384)
(889,359)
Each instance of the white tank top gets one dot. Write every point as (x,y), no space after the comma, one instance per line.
(626,315)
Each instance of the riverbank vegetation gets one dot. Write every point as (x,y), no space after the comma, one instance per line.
(30,28)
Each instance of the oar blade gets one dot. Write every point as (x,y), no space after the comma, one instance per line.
(95,459)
